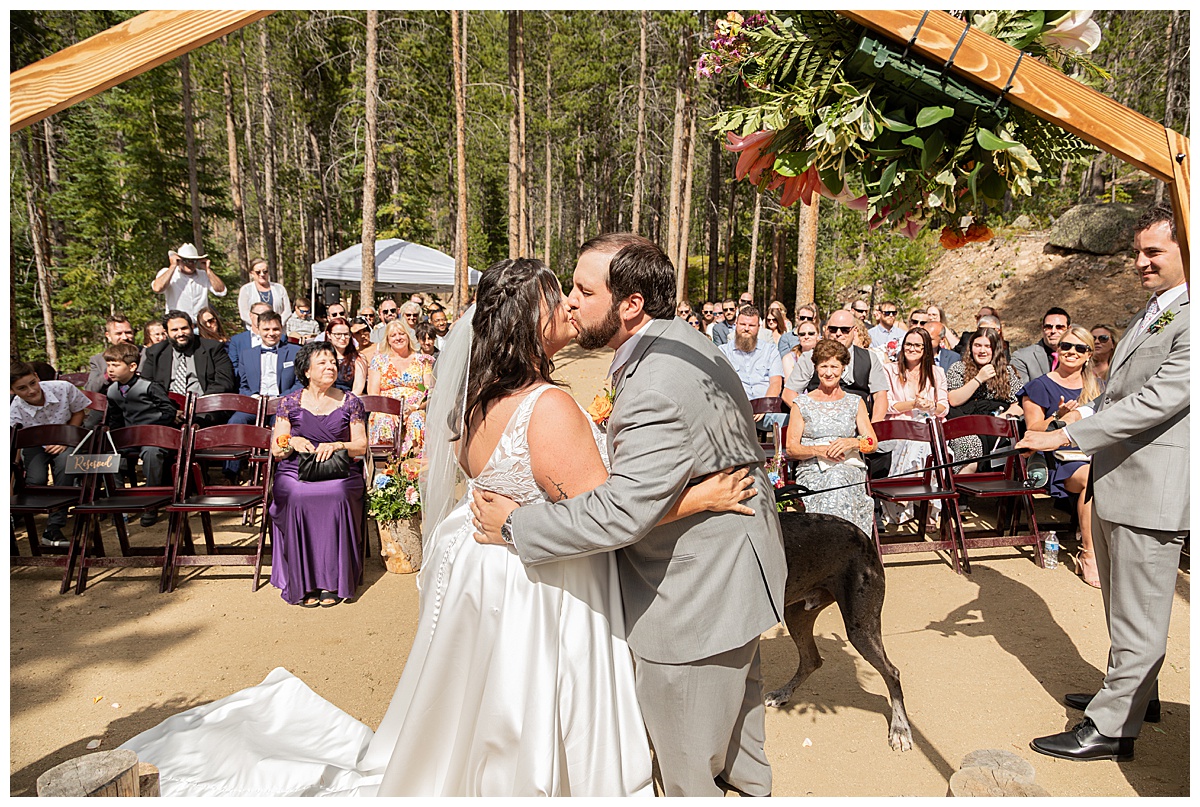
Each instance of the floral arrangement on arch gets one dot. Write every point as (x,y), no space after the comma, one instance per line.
(841,113)
(394,494)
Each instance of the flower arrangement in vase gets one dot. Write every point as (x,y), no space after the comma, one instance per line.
(394,501)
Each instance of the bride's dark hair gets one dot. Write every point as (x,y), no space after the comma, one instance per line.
(506,352)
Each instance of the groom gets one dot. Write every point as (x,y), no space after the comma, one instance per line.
(697,592)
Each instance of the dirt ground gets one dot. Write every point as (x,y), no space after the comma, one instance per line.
(984,659)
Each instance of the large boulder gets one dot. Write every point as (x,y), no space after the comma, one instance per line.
(1100,229)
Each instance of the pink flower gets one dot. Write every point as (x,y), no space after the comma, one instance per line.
(763,163)
(412,496)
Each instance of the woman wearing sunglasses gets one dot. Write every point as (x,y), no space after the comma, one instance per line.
(1106,338)
(807,333)
(1070,385)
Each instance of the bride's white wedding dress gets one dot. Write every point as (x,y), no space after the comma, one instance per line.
(519,683)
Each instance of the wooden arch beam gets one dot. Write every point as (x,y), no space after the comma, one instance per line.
(1047,93)
(108,58)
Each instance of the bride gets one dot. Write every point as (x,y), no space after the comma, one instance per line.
(519,681)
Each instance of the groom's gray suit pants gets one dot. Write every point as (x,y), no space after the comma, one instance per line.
(706,719)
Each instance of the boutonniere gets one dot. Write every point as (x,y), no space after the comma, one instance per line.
(1164,319)
(601,407)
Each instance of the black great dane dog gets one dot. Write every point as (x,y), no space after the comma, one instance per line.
(831,560)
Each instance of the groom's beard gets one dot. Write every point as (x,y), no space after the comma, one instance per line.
(591,338)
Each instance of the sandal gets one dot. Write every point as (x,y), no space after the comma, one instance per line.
(311,600)
(328,599)
(1085,567)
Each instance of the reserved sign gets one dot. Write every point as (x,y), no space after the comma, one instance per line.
(93,463)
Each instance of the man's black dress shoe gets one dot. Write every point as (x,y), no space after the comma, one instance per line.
(1081,700)
(1084,742)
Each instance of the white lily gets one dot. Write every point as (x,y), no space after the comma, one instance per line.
(1076,31)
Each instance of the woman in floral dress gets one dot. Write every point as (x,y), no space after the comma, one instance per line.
(398,370)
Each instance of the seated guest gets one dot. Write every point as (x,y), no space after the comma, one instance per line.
(315,526)
(780,311)
(441,325)
(186,362)
(757,364)
(1106,338)
(136,401)
(949,337)
(942,357)
(300,325)
(964,341)
(117,330)
(360,335)
(806,337)
(268,369)
(1038,359)
(1070,385)
(247,338)
(989,322)
(722,329)
(427,339)
(887,333)
(981,383)
(153,333)
(829,428)
(352,368)
(208,323)
(774,328)
(400,371)
(805,314)
(45,403)
(916,391)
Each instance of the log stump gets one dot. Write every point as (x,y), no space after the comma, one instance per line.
(993,772)
(104,773)
(400,544)
(148,780)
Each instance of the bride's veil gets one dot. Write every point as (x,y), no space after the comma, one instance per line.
(444,425)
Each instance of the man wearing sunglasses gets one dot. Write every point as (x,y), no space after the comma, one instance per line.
(860,309)
(1140,446)
(388,311)
(864,375)
(708,316)
(887,334)
(723,328)
(1038,359)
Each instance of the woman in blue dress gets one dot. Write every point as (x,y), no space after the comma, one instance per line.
(1070,385)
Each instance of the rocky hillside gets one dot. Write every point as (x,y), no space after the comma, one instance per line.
(1019,274)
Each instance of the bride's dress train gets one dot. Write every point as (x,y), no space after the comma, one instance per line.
(519,682)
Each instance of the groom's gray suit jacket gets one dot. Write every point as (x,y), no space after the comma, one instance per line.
(700,585)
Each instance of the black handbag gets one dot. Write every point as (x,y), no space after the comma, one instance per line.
(336,467)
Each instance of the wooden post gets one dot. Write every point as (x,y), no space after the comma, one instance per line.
(1181,190)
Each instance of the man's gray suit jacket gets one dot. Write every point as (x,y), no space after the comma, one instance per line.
(1138,438)
(700,585)
(1030,362)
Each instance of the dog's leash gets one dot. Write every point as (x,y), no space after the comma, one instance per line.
(1036,480)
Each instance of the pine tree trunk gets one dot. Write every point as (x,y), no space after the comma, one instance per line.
(776,257)
(548,198)
(459,45)
(676,186)
(685,224)
(37,234)
(711,202)
(526,247)
(251,160)
(367,286)
(580,223)
(639,153)
(272,231)
(750,277)
(514,145)
(189,131)
(806,252)
(57,236)
(235,176)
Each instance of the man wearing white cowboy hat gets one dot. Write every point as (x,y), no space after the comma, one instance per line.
(187,289)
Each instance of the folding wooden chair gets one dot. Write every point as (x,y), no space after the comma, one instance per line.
(384,405)
(226,403)
(932,485)
(78,379)
(1009,485)
(774,446)
(206,499)
(29,500)
(122,501)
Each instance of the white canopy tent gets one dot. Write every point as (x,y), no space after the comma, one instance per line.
(401,267)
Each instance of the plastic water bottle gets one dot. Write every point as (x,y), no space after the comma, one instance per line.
(1050,551)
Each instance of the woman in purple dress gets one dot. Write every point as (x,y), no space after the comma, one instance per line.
(316,526)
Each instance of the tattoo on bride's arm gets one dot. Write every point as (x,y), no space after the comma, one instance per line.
(562,494)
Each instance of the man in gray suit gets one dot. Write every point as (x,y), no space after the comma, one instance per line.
(697,592)
(1039,358)
(1138,439)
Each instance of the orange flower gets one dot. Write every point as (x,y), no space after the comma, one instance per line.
(600,408)
(865,443)
(284,441)
(951,238)
(978,231)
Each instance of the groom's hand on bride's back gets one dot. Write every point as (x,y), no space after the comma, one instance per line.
(489,512)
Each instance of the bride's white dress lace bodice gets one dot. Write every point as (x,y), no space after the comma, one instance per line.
(509,471)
